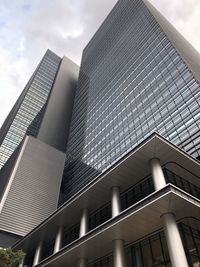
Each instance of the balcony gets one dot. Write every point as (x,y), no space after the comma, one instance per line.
(152,249)
(141,206)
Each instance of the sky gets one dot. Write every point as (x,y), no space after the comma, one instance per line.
(28,28)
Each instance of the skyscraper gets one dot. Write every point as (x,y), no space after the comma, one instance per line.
(137,76)
(33,144)
(129,196)
(27,113)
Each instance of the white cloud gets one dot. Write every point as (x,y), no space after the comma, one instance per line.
(8,91)
(184,15)
(65,27)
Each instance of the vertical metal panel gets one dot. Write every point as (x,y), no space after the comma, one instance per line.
(34,189)
(56,121)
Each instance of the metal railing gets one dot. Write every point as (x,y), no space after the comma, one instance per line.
(182,183)
(129,197)
(136,193)
(100,216)
(70,234)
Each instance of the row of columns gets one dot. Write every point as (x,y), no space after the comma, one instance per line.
(174,242)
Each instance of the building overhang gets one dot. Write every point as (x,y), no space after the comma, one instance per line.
(132,224)
(128,171)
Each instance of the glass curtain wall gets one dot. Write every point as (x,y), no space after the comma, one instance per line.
(31,109)
(132,82)
(153,252)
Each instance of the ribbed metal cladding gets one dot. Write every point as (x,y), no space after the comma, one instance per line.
(33,189)
(133,81)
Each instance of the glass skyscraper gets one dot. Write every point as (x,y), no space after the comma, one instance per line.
(132,82)
(26,115)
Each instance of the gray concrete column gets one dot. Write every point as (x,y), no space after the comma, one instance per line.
(84,222)
(138,258)
(157,174)
(115,201)
(38,253)
(58,240)
(119,259)
(22,262)
(174,242)
(82,263)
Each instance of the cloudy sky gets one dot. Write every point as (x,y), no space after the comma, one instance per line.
(28,28)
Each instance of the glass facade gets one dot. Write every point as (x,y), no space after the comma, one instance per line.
(31,106)
(132,82)
(152,251)
(182,183)
(191,239)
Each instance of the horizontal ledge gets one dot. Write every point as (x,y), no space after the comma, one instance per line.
(98,241)
(121,174)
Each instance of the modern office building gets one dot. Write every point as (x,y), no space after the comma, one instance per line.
(143,211)
(130,192)
(138,76)
(33,144)
(28,111)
